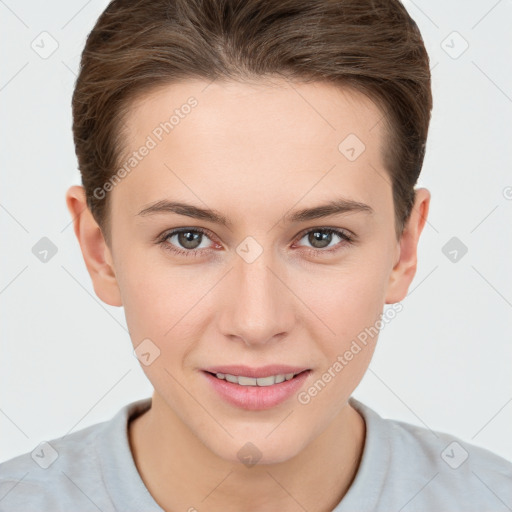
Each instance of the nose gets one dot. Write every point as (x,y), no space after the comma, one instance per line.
(260,308)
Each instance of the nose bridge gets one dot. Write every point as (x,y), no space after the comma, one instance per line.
(260,306)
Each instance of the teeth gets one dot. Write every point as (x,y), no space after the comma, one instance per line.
(251,381)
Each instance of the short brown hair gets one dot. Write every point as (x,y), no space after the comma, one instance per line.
(372,46)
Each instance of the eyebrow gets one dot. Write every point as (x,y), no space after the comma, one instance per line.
(338,206)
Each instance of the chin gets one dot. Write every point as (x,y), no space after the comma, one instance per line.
(256,450)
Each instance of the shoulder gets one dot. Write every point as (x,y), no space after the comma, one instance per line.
(434,470)
(51,476)
(79,471)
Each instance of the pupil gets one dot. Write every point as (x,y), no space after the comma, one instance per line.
(189,239)
(319,239)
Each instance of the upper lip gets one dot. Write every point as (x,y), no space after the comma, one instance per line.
(262,371)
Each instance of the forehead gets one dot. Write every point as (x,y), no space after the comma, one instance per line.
(257,138)
(259,107)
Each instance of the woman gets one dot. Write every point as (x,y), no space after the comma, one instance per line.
(248,172)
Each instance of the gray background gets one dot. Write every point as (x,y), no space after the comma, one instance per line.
(443,362)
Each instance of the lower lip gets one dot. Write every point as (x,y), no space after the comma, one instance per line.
(256,398)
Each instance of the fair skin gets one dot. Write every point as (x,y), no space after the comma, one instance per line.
(252,152)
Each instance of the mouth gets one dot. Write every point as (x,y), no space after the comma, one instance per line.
(244,380)
(256,389)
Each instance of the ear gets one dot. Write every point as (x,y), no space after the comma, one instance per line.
(404,270)
(95,251)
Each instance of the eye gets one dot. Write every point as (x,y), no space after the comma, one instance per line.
(191,241)
(188,241)
(320,238)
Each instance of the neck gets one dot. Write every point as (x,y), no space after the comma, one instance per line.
(181,473)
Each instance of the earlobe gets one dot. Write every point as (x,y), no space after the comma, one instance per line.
(95,251)
(404,270)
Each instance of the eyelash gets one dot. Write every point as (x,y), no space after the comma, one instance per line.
(349,240)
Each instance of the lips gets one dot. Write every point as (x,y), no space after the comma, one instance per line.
(256,372)
(246,395)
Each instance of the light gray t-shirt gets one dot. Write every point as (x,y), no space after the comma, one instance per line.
(404,468)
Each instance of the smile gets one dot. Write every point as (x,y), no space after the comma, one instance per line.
(256,393)
(252,381)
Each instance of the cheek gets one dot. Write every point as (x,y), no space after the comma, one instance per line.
(164,304)
(350,303)
(346,299)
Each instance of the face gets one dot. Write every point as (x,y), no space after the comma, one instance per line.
(266,286)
